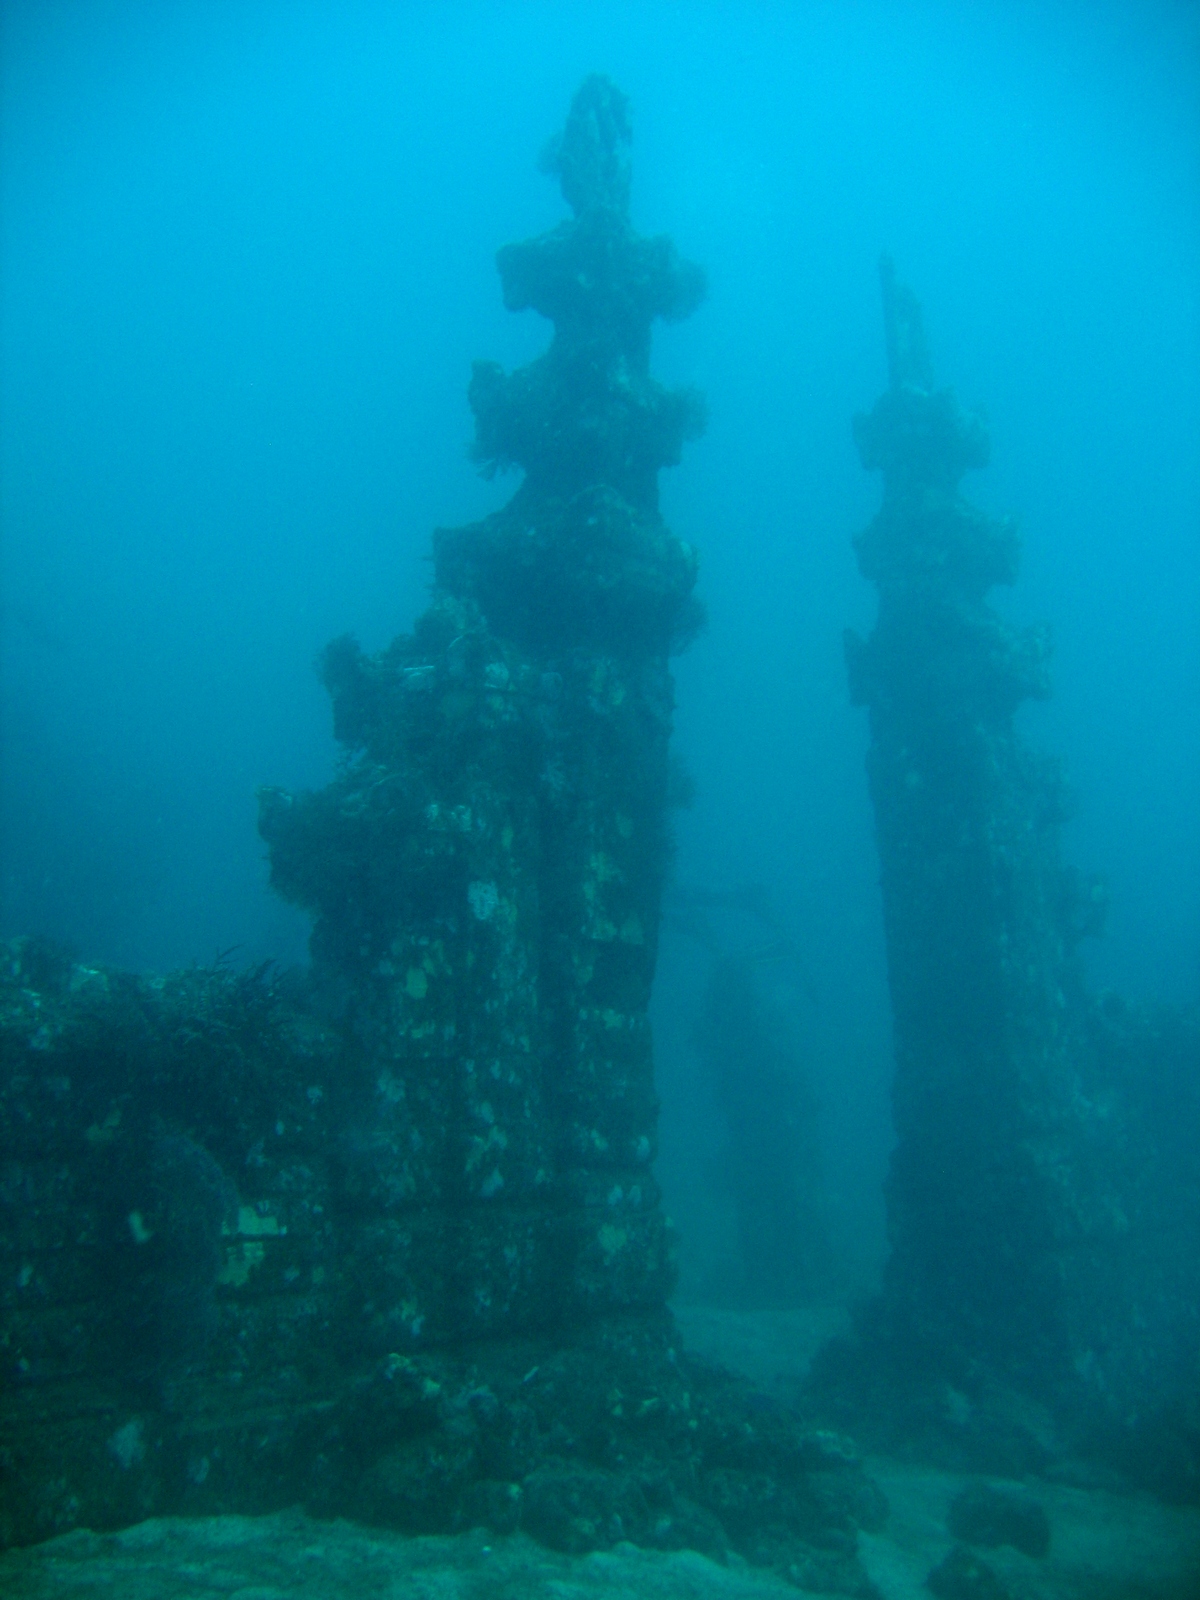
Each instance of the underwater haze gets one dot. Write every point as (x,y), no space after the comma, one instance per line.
(248,259)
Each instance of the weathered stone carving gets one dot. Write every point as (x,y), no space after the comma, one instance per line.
(486,871)
(388,1243)
(1040,1204)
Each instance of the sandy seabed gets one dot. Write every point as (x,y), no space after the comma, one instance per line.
(1104,1546)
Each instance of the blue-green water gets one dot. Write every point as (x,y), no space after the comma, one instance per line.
(248,259)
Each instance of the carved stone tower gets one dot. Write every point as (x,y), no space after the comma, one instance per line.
(486,870)
(978,911)
(1040,1202)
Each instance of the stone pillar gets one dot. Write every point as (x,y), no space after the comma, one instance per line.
(485,872)
(979,914)
(1040,1299)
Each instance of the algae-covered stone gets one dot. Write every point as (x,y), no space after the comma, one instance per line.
(486,871)
(1042,1212)
(386,1243)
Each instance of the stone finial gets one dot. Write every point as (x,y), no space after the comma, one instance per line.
(907,350)
(919,437)
(591,155)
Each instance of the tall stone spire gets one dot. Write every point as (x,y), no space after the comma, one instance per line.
(1031,1254)
(485,872)
(977,908)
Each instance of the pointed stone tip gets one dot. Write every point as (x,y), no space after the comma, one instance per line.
(907,350)
(590,157)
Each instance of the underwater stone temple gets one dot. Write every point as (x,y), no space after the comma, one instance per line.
(386,1242)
